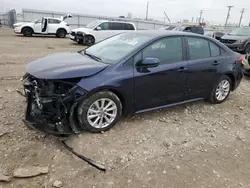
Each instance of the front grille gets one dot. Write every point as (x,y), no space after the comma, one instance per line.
(73,33)
(227,41)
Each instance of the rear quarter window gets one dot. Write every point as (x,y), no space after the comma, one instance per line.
(215,50)
(128,27)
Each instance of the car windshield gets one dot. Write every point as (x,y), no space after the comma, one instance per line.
(39,20)
(115,48)
(240,32)
(92,25)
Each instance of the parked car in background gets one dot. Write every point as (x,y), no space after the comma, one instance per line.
(238,39)
(99,30)
(214,34)
(169,27)
(125,74)
(44,26)
(246,65)
(192,29)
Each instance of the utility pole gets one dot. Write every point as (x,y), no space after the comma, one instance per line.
(147,10)
(167,17)
(241,16)
(201,12)
(228,14)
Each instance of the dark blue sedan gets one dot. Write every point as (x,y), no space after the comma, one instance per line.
(129,73)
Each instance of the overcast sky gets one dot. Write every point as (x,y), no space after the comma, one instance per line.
(215,11)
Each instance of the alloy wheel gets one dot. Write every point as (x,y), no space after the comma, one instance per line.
(222,90)
(102,113)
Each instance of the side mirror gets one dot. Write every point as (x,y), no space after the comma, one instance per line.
(149,62)
(98,28)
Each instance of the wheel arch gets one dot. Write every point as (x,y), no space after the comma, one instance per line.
(61,28)
(116,92)
(233,80)
(28,28)
(84,33)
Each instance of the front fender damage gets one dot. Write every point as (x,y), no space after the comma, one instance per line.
(51,105)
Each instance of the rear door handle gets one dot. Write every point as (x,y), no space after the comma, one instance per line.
(182,69)
(216,63)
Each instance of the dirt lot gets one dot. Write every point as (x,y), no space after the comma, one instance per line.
(193,145)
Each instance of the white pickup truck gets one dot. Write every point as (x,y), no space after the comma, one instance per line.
(44,26)
(99,30)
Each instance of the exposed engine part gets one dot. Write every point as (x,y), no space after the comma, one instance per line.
(50,102)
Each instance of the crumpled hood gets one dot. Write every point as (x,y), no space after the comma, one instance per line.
(64,65)
(234,37)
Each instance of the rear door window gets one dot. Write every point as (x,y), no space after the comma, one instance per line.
(54,21)
(198,48)
(116,26)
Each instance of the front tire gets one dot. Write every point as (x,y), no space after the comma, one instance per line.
(99,112)
(27,32)
(221,90)
(88,40)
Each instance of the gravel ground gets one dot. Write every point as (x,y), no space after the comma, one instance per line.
(192,145)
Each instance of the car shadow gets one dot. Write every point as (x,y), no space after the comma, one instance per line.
(41,36)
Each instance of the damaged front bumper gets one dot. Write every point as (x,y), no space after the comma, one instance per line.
(51,105)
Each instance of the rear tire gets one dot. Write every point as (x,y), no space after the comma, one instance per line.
(27,32)
(99,112)
(221,90)
(61,33)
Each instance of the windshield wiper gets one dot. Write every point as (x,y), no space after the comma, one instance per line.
(93,57)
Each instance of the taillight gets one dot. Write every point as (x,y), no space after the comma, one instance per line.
(214,36)
(240,59)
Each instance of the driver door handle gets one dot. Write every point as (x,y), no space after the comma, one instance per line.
(182,69)
(216,63)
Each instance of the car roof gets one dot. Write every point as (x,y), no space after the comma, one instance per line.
(155,34)
(52,18)
(115,21)
(162,33)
